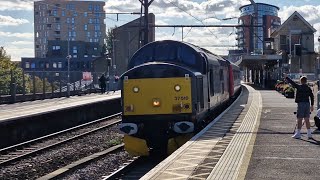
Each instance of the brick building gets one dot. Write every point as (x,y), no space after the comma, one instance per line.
(294,40)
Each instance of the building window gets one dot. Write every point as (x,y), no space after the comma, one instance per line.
(68,20)
(97,27)
(54,65)
(47,65)
(27,65)
(97,8)
(59,64)
(75,51)
(95,48)
(88,34)
(95,34)
(56,19)
(74,34)
(75,13)
(75,56)
(85,14)
(63,13)
(58,26)
(90,7)
(90,21)
(72,20)
(55,48)
(85,27)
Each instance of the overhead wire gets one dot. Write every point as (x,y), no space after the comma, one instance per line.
(192,16)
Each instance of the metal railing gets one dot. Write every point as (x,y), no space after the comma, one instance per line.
(35,85)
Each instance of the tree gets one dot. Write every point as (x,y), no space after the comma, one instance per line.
(109,39)
(10,73)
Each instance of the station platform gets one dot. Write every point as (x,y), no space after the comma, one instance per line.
(252,140)
(38,107)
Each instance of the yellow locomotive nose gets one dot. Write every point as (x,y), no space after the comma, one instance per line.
(156,102)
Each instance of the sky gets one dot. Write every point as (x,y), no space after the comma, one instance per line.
(16,21)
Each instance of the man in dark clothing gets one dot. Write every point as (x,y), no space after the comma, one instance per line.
(103,85)
(302,99)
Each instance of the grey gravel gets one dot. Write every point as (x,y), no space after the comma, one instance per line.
(49,161)
(101,168)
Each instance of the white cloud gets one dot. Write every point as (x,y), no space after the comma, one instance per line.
(16,5)
(17,52)
(17,35)
(18,43)
(10,21)
(309,12)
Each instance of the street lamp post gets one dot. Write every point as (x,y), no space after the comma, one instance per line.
(114,64)
(68,73)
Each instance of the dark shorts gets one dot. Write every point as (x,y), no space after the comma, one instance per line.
(303,110)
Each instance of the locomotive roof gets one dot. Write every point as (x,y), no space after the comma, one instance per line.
(176,52)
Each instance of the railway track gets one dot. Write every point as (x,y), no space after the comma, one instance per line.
(135,169)
(81,163)
(14,153)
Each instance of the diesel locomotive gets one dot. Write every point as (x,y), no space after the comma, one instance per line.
(168,91)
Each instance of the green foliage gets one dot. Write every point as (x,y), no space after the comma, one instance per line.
(10,73)
(109,38)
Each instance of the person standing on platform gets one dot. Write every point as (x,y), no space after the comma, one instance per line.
(103,85)
(303,94)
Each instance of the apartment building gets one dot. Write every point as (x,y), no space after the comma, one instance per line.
(63,20)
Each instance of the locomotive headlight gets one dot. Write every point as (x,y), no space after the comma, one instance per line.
(177,88)
(135,89)
(156,102)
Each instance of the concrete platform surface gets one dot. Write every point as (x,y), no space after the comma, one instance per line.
(18,110)
(275,154)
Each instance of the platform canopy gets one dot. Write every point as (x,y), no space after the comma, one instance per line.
(257,60)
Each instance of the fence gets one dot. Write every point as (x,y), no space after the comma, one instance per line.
(23,86)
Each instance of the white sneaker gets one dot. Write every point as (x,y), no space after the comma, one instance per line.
(296,136)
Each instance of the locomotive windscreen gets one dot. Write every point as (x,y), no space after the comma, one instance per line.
(170,52)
